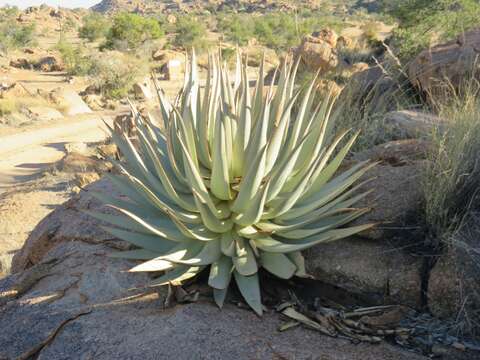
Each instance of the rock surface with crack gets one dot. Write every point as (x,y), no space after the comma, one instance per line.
(88,306)
(99,317)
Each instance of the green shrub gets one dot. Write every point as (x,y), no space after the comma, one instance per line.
(95,26)
(7,106)
(279,31)
(128,31)
(115,73)
(75,60)
(190,33)
(237,29)
(424,21)
(14,35)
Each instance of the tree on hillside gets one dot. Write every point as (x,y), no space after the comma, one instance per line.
(189,33)
(95,26)
(421,21)
(132,30)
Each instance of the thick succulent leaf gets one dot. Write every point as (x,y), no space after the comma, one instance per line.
(278,136)
(220,273)
(156,201)
(297,258)
(219,296)
(161,226)
(177,275)
(324,175)
(329,192)
(244,261)
(269,244)
(220,183)
(227,243)
(250,182)
(210,220)
(139,254)
(168,183)
(250,289)
(149,242)
(255,210)
(141,209)
(209,254)
(278,264)
(323,225)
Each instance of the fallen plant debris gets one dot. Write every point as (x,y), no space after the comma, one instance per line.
(402,325)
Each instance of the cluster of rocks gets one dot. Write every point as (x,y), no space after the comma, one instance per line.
(48,63)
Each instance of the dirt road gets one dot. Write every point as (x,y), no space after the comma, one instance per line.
(25,154)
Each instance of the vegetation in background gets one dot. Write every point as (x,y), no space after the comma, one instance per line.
(279,31)
(76,61)
(189,33)
(452,178)
(95,26)
(128,31)
(112,72)
(423,22)
(14,35)
(365,100)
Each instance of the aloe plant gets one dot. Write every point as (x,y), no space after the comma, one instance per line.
(233,180)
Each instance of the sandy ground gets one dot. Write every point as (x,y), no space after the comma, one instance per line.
(24,155)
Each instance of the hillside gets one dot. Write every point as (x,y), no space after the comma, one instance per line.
(168,6)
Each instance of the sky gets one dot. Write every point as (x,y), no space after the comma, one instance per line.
(62,3)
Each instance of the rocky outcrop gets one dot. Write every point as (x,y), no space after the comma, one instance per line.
(397,197)
(318,51)
(409,124)
(50,63)
(377,270)
(64,225)
(67,288)
(449,63)
(380,264)
(454,282)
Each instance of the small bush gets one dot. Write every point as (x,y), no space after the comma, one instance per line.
(190,33)
(237,29)
(132,30)
(114,74)
(75,60)
(423,22)
(278,31)
(95,26)
(7,106)
(14,35)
